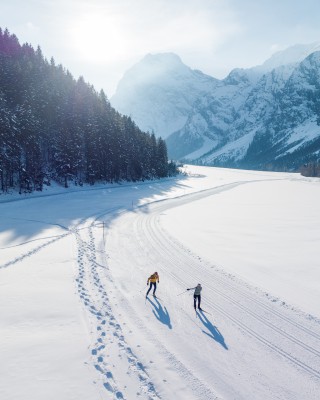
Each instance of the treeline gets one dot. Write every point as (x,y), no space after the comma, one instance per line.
(53,127)
(311,169)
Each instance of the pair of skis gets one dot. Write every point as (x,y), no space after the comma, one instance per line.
(201,310)
(155,297)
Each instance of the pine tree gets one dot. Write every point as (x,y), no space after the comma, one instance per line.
(55,127)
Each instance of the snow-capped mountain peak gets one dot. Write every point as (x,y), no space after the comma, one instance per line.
(251,119)
(155,83)
(151,68)
(292,55)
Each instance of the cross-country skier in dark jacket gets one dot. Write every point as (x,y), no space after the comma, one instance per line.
(196,296)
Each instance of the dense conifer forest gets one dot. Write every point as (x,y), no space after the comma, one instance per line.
(53,127)
(311,169)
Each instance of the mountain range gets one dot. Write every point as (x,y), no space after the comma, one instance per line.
(264,117)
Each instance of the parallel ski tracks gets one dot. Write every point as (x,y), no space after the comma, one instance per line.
(93,293)
(148,228)
(147,224)
(95,299)
(253,332)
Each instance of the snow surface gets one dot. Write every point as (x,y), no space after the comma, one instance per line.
(74,320)
(235,149)
(303,133)
(291,55)
(206,147)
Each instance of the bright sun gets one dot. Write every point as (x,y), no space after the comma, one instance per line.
(98,38)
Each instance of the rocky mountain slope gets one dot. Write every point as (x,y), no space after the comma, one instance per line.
(263,117)
(159,93)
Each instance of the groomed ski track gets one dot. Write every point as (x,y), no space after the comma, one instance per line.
(247,348)
(275,346)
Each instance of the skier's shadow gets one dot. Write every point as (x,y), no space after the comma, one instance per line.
(160,313)
(214,332)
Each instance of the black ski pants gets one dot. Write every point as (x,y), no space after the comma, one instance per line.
(195,298)
(154,284)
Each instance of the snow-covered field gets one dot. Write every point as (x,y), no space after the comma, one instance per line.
(74,264)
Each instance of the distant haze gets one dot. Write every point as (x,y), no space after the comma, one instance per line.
(101,39)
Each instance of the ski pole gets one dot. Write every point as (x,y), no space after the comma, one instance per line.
(144,288)
(182,292)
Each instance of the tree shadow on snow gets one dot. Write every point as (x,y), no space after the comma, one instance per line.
(214,332)
(161,313)
(24,218)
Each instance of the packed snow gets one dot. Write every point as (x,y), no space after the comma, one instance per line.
(75,323)
(306,132)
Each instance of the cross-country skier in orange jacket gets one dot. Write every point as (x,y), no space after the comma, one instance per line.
(153,279)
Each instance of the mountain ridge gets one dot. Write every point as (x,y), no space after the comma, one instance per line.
(223,122)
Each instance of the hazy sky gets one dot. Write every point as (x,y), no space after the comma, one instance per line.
(101,39)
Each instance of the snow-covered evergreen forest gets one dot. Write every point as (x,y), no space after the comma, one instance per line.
(54,127)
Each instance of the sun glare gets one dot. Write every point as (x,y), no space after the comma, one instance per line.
(98,38)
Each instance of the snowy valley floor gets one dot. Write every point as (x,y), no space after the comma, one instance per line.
(75,323)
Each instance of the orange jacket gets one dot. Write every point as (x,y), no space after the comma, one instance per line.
(153,278)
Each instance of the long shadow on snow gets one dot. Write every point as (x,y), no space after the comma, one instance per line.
(160,313)
(26,218)
(214,332)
